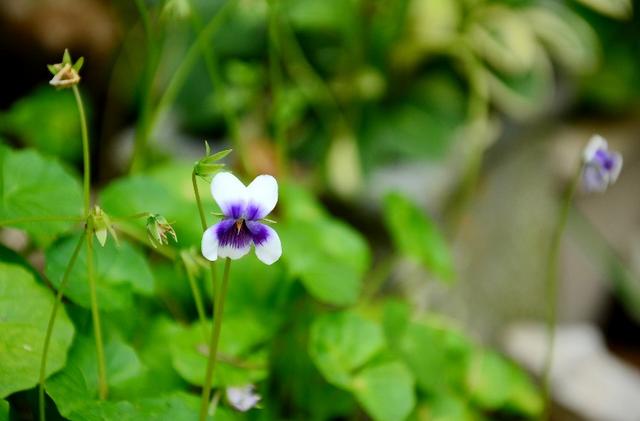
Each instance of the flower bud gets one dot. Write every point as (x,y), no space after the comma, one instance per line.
(65,74)
(101,225)
(209,165)
(158,230)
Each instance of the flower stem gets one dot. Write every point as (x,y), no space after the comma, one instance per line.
(275,76)
(52,318)
(27,219)
(196,193)
(552,289)
(198,299)
(85,152)
(102,372)
(95,313)
(213,69)
(181,73)
(203,222)
(215,339)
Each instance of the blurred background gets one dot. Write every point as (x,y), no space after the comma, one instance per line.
(477,110)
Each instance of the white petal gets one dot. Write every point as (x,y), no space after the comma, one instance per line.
(270,250)
(262,194)
(210,244)
(596,142)
(233,253)
(243,398)
(228,191)
(617,166)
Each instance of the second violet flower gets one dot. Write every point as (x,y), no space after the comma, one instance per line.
(244,208)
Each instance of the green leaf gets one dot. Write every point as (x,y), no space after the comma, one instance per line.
(395,320)
(436,354)
(416,236)
(386,391)
(496,384)
(446,407)
(47,120)
(328,256)
(172,407)
(4,410)
(120,271)
(503,37)
(568,37)
(34,186)
(618,9)
(523,95)
(165,190)
(340,343)
(320,16)
(25,308)
(76,386)
(239,362)
(157,375)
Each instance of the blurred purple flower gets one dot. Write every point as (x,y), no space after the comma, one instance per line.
(243,398)
(243,209)
(601,166)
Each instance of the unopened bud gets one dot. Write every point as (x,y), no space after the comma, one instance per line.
(102,227)
(65,74)
(158,230)
(209,165)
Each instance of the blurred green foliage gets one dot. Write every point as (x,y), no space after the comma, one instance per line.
(326,89)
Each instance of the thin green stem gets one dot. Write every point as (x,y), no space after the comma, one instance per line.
(136,235)
(52,318)
(151,65)
(275,75)
(203,222)
(215,339)
(102,372)
(95,313)
(195,290)
(552,289)
(27,219)
(86,158)
(130,217)
(196,193)
(213,69)
(186,65)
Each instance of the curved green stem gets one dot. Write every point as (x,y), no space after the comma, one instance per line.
(27,219)
(135,234)
(180,74)
(196,193)
(86,159)
(203,222)
(95,313)
(215,339)
(552,289)
(198,300)
(213,70)
(52,318)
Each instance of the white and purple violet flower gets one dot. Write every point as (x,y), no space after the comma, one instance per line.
(243,398)
(244,208)
(601,166)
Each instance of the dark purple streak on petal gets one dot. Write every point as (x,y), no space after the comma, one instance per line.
(229,235)
(259,233)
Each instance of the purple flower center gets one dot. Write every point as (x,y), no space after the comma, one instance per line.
(604,159)
(240,233)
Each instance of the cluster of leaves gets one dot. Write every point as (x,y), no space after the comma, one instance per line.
(300,329)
